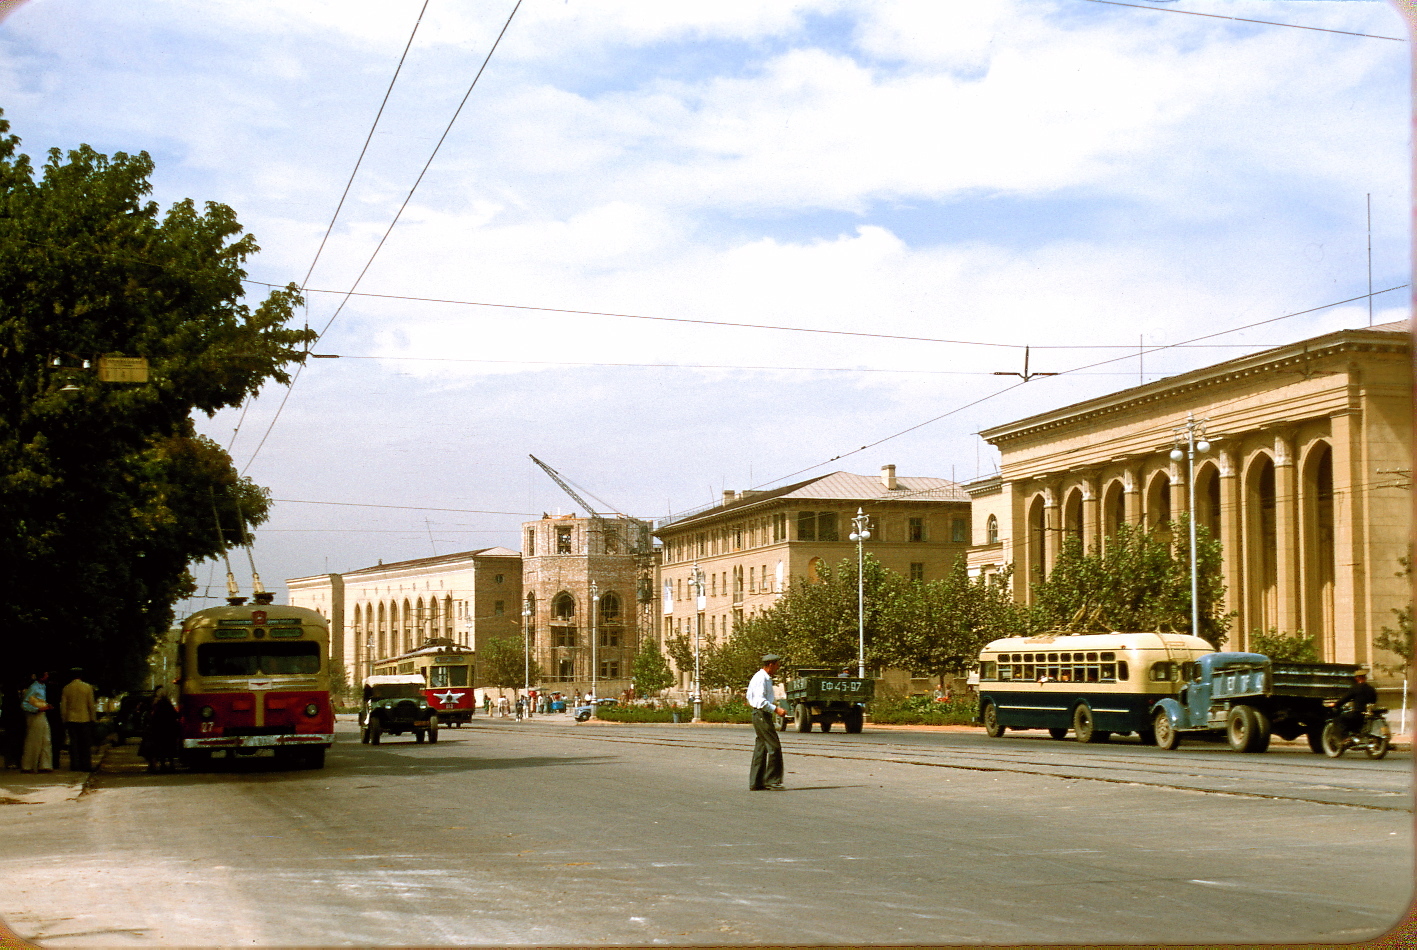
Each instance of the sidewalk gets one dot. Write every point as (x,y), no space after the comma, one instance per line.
(48,788)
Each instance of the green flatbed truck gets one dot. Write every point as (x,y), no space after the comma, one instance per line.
(816,696)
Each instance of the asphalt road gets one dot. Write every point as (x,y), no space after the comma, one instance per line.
(552,833)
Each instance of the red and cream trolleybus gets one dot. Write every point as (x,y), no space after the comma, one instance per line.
(446,668)
(254,680)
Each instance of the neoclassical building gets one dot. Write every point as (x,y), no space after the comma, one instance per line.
(388,609)
(1307,483)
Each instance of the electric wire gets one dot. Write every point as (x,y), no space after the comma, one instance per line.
(1239,19)
(387,231)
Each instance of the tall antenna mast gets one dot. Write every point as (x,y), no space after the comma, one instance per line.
(1370,259)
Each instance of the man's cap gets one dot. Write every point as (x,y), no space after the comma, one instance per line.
(1361,671)
(771,658)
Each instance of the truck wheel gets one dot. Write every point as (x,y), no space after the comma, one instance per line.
(1166,735)
(826,722)
(1262,730)
(1242,729)
(1315,735)
(432,733)
(992,727)
(1058,732)
(1333,739)
(1084,726)
(804,717)
(853,719)
(418,735)
(364,735)
(376,729)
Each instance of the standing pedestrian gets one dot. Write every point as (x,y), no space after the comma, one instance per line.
(38,755)
(76,705)
(521,704)
(765,774)
(486,703)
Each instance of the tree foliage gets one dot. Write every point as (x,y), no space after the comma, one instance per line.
(938,628)
(1399,641)
(106,492)
(503,663)
(651,670)
(1284,647)
(1135,582)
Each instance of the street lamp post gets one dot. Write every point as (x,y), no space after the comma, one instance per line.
(594,641)
(860,534)
(526,646)
(697,581)
(1192,436)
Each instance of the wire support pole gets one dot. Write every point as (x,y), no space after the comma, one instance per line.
(1192,436)
(860,534)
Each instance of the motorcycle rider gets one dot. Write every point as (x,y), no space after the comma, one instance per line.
(1362,695)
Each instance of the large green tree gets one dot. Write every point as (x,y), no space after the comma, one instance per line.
(1135,581)
(503,663)
(651,672)
(107,493)
(937,628)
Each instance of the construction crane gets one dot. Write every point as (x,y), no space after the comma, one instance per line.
(638,540)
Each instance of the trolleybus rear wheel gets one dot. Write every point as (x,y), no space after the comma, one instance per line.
(1058,732)
(1084,727)
(1315,735)
(992,726)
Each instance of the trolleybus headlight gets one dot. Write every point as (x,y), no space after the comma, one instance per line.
(207,712)
(312,710)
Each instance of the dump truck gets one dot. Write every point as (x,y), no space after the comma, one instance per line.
(1248,697)
(817,696)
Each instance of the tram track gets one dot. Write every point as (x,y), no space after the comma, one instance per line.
(1315,782)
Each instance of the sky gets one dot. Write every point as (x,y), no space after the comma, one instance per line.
(642,208)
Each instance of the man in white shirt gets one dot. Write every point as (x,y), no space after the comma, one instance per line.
(766,771)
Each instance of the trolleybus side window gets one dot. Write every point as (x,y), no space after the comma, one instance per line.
(252,659)
(1164,671)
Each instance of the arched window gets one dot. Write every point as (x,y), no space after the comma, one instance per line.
(991,530)
(610,608)
(563,607)
(1158,503)
(1114,507)
(1072,515)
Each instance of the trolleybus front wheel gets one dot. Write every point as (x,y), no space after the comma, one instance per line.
(992,726)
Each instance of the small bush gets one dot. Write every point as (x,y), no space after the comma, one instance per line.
(924,711)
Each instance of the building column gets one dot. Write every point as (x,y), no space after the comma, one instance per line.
(1052,528)
(1131,492)
(1350,580)
(1180,494)
(1232,552)
(1286,532)
(1091,514)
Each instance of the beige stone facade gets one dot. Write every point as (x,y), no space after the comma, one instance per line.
(377,612)
(586,582)
(752,545)
(1307,483)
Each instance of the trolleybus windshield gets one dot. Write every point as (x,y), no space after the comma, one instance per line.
(257,659)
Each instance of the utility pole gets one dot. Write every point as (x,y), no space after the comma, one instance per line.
(1192,437)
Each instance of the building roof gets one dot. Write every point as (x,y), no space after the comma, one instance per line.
(1398,332)
(442,560)
(838,486)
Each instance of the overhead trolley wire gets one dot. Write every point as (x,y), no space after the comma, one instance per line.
(1240,19)
(387,231)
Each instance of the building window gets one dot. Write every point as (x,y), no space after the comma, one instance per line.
(563,540)
(752,580)
(610,608)
(959,531)
(610,636)
(530,542)
(563,636)
(567,670)
(610,669)
(499,607)
(826,526)
(702,541)
(779,527)
(917,570)
(806,526)
(915,531)
(991,530)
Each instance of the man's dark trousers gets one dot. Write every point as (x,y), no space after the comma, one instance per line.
(767,752)
(80,746)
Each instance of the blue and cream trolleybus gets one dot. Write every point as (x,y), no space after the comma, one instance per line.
(1095,684)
